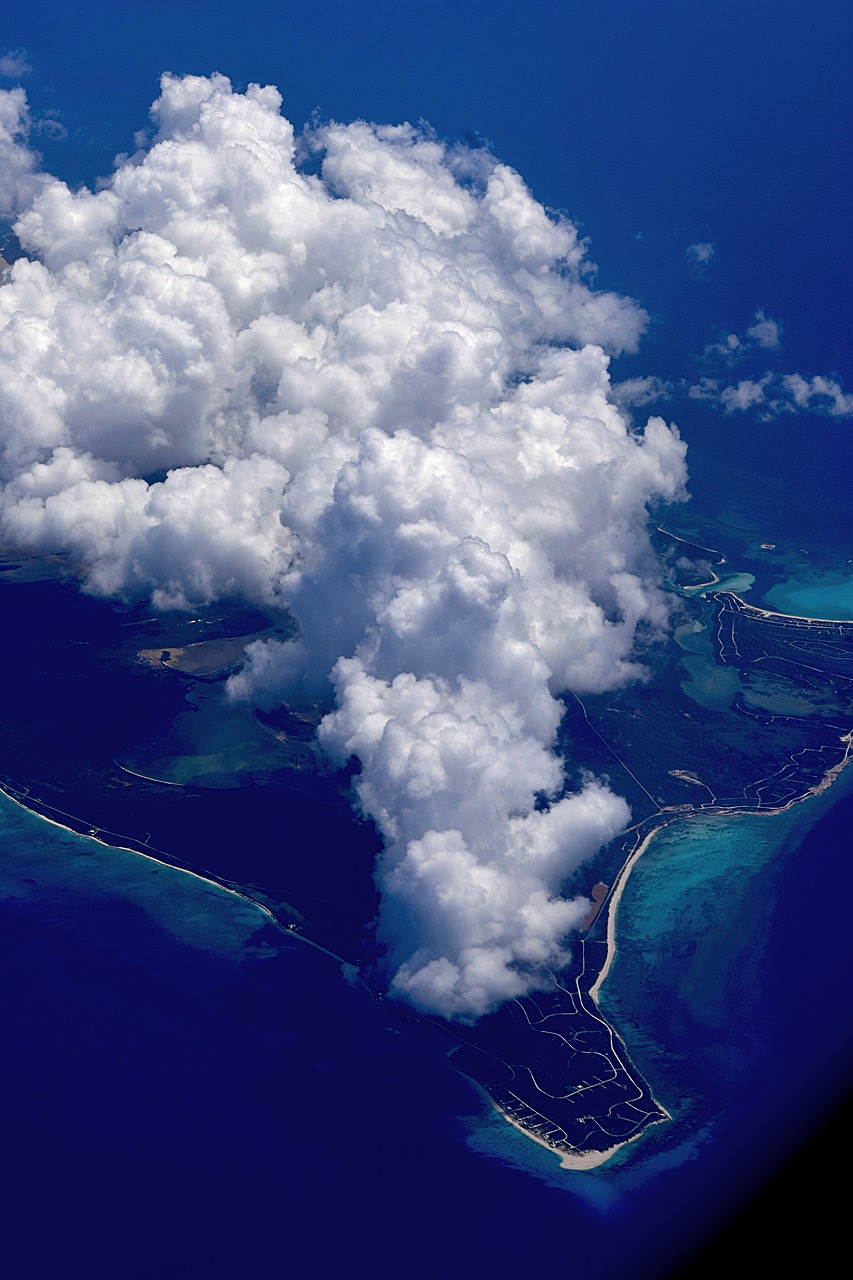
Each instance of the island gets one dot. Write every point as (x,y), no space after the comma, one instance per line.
(748,711)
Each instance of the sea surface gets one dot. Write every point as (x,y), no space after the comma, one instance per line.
(828,596)
(192,1093)
(731,980)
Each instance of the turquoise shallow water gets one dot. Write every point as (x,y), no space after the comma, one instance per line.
(689,932)
(41,861)
(827,597)
(730,979)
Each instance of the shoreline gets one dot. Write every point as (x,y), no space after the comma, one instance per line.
(698,586)
(616,892)
(795,617)
(164,861)
(148,777)
(576,1160)
(573,1160)
(612,905)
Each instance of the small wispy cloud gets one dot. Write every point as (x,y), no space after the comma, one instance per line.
(765,332)
(698,256)
(766,393)
(701,252)
(634,393)
(744,394)
(49,127)
(14,65)
(773,394)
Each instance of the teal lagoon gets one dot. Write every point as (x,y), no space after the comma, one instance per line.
(829,596)
(725,987)
(689,928)
(44,863)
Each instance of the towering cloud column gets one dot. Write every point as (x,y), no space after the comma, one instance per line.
(361,375)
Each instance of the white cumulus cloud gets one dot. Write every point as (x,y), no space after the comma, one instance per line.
(361,375)
(744,394)
(765,332)
(768,393)
(818,394)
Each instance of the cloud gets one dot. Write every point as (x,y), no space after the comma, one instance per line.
(744,394)
(14,65)
(766,333)
(18,164)
(637,392)
(728,350)
(49,127)
(361,375)
(768,393)
(819,394)
(698,257)
(774,394)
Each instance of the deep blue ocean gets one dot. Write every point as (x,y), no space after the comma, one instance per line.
(187,1096)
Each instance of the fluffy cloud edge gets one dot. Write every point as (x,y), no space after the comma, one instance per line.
(374,390)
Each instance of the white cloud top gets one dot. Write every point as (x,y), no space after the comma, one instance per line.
(360,375)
